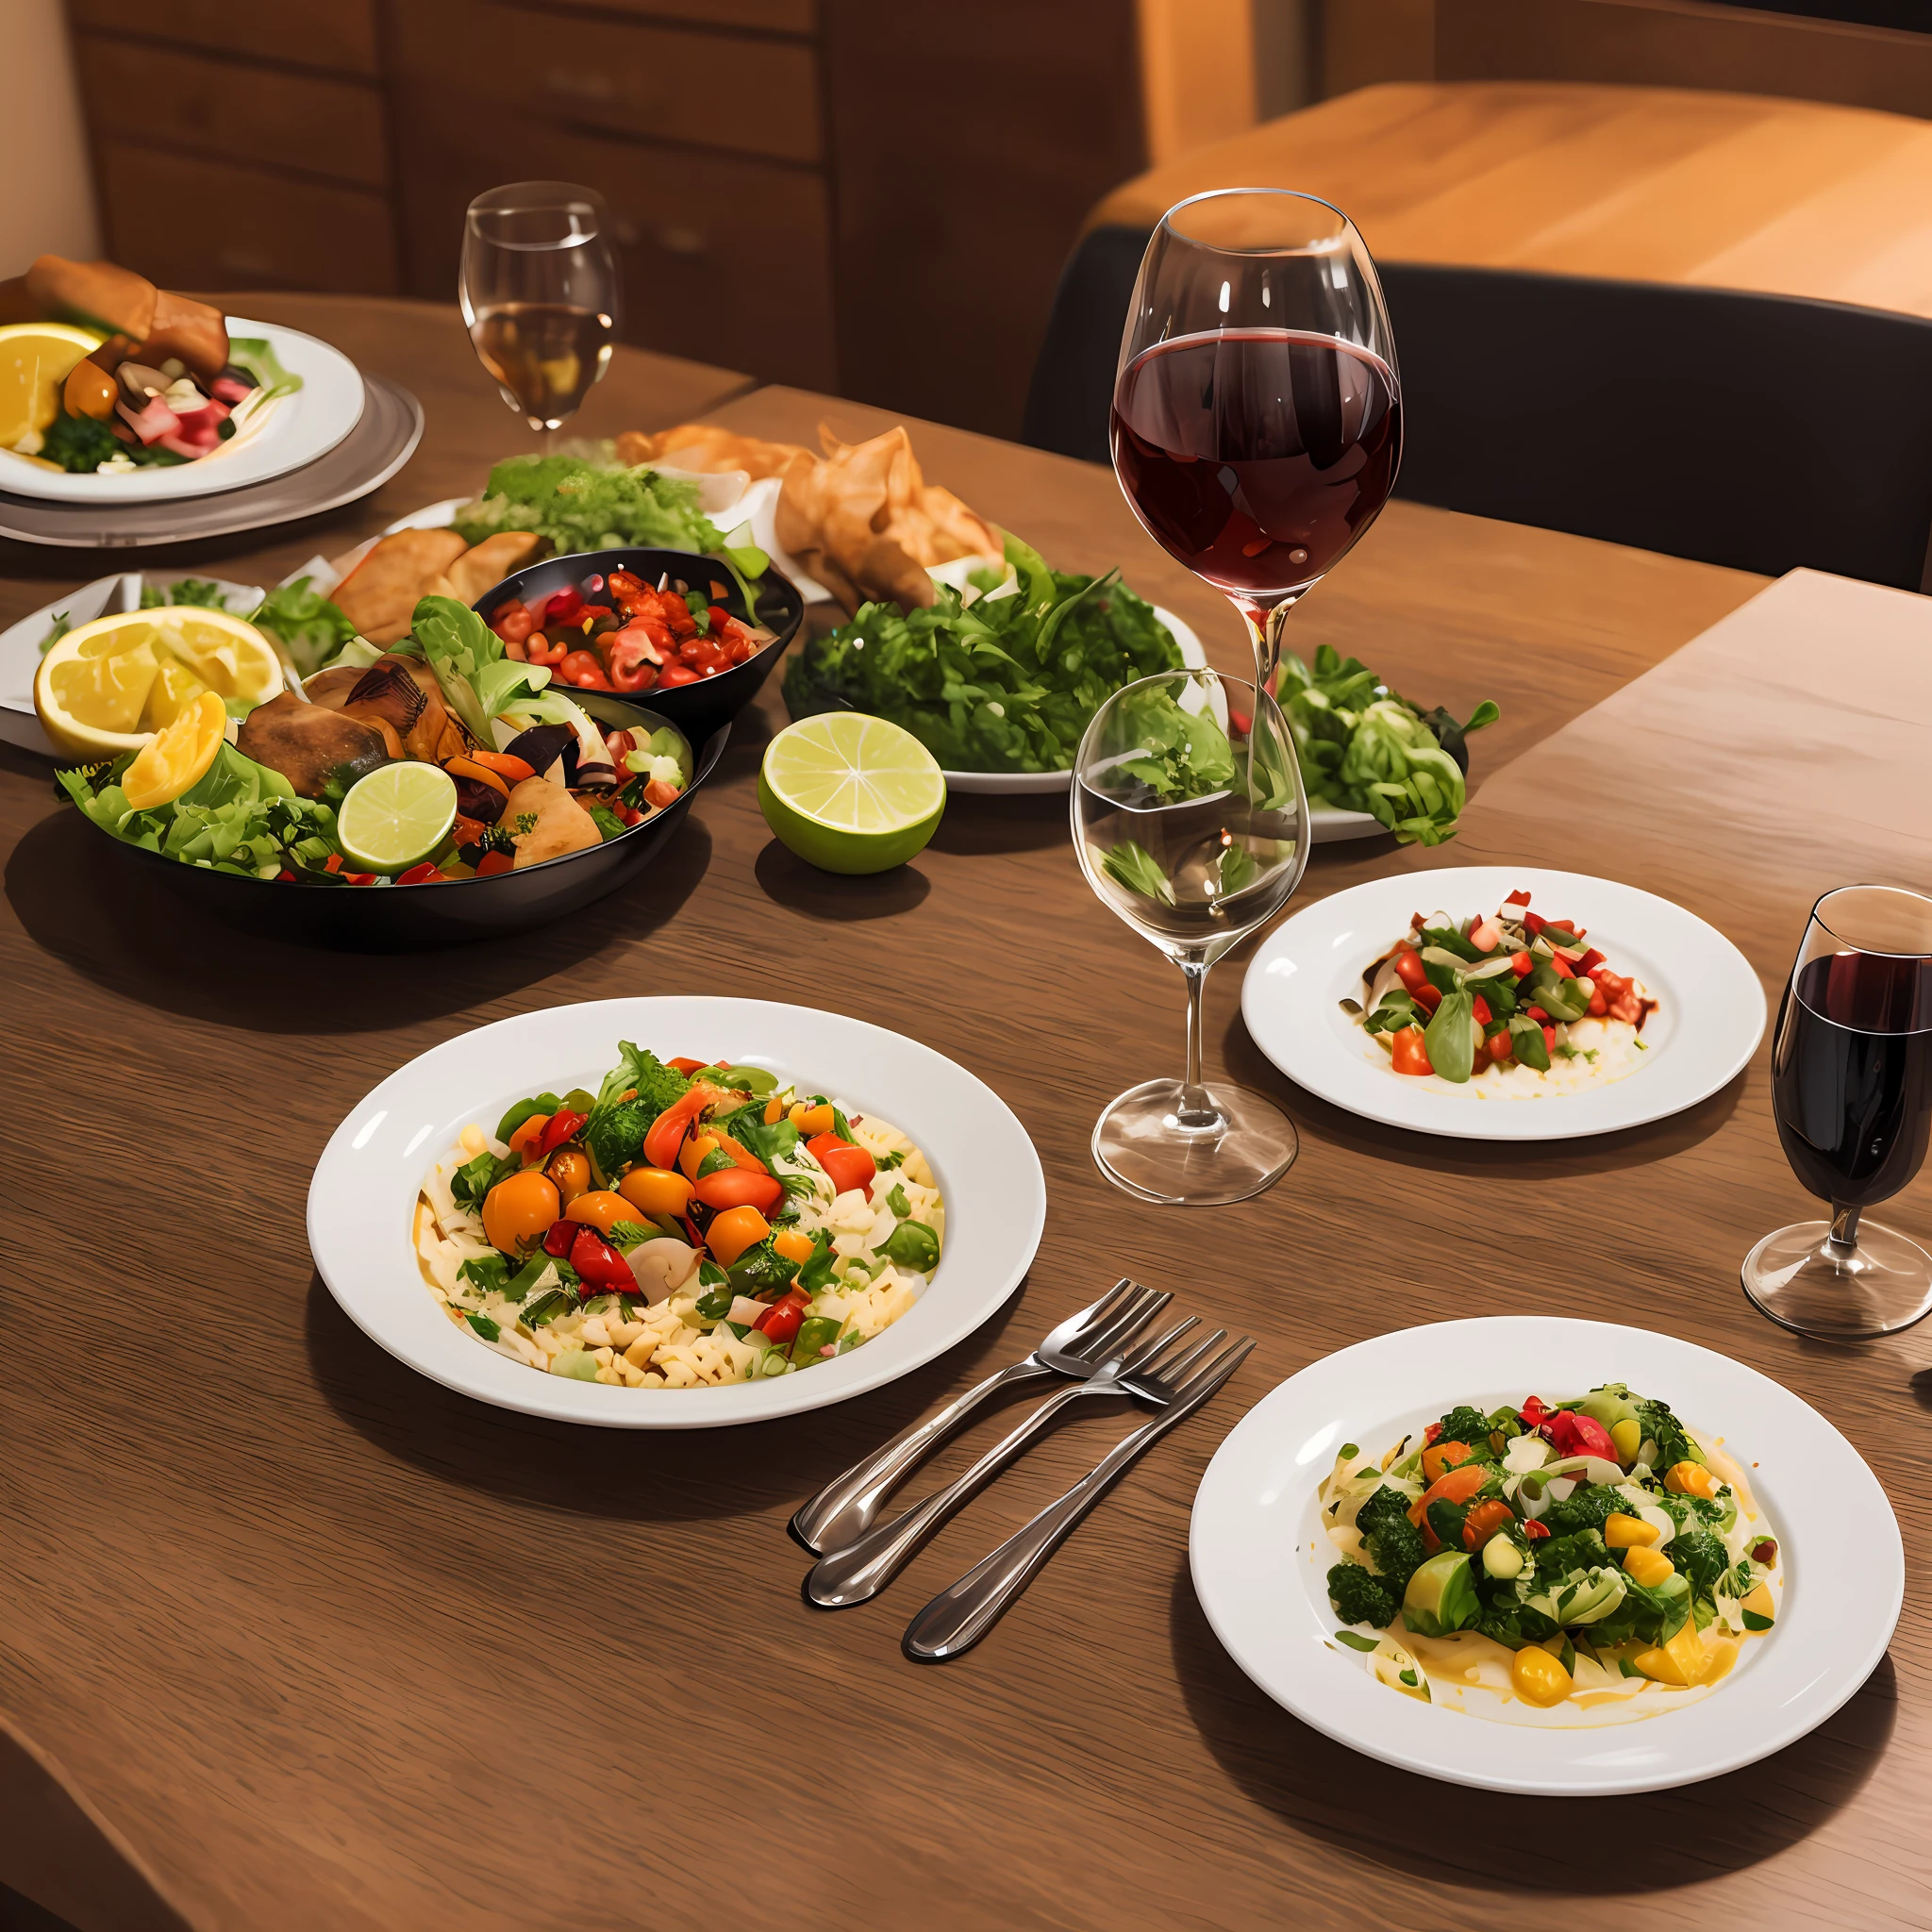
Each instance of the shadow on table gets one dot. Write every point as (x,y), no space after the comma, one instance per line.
(839,898)
(1522,1160)
(1442,1832)
(978,823)
(646,1476)
(121,927)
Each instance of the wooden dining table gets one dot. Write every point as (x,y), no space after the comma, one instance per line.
(291,1636)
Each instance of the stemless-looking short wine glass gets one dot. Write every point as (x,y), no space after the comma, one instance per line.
(1851,1086)
(1256,409)
(1191,824)
(539,294)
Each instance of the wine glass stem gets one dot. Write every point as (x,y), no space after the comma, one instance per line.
(1196,1108)
(1265,626)
(1844,1228)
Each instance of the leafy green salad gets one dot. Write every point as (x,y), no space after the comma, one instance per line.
(1365,749)
(1596,1541)
(1002,679)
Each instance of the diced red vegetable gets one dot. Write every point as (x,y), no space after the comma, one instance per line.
(601,1267)
(563,1125)
(849,1167)
(1570,1434)
(1428,998)
(1410,1055)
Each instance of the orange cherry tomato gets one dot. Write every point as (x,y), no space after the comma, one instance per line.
(600,1209)
(570,1170)
(1484,1521)
(738,1186)
(519,1210)
(692,1153)
(734,1231)
(794,1246)
(524,1140)
(655,1191)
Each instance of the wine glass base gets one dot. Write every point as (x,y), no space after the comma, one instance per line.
(1145,1144)
(1811,1284)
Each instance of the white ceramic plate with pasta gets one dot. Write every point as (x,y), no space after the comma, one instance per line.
(362,1200)
(1260,1555)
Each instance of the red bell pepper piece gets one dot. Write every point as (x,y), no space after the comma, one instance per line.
(560,1238)
(1433,1433)
(1589,962)
(1564,969)
(563,1125)
(1522,965)
(564,606)
(1533,1530)
(780,1322)
(1428,996)
(849,1167)
(494,862)
(667,1132)
(1481,1011)
(602,1269)
(1533,923)
(687,1066)
(1570,1434)
(1411,1052)
(1536,1014)
(419,874)
(1408,968)
(1533,1413)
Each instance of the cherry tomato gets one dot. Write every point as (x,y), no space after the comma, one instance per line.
(655,1191)
(604,1269)
(570,1171)
(781,1321)
(1481,1011)
(1409,970)
(600,1207)
(691,1155)
(519,1209)
(564,607)
(1498,1046)
(849,1167)
(512,622)
(582,669)
(735,1230)
(673,674)
(738,1186)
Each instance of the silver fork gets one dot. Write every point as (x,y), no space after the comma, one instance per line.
(845,1509)
(958,1618)
(863,1568)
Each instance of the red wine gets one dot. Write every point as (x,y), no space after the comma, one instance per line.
(1851,1074)
(1256,455)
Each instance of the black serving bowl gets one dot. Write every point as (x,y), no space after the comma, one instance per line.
(403,918)
(697,709)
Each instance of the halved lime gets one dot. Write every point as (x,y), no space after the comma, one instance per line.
(851,793)
(396,816)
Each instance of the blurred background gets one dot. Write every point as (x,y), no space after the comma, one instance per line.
(879,200)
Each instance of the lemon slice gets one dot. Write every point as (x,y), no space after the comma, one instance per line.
(176,756)
(107,686)
(35,358)
(851,793)
(396,816)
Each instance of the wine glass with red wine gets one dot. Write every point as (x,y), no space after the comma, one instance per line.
(539,288)
(1256,409)
(1851,1087)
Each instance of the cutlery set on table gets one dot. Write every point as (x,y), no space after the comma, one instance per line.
(1118,1347)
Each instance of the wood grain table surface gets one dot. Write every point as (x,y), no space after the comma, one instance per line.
(1658,184)
(321,1644)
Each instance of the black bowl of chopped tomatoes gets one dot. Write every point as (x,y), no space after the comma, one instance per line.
(666,628)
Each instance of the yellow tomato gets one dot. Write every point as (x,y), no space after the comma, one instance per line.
(793,1245)
(600,1207)
(1690,1479)
(1539,1678)
(656,1190)
(812,1121)
(519,1209)
(570,1168)
(733,1232)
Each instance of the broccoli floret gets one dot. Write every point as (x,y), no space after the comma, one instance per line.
(615,1131)
(1589,1507)
(1700,1557)
(1359,1597)
(1390,1538)
(1661,1427)
(1557,1556)
(1466,1424)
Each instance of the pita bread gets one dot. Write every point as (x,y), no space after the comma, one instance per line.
(379,595)
(710,449)
(483,566)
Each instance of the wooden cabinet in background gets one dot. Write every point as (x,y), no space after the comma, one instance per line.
(858,195)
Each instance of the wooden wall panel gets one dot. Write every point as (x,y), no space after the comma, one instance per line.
(338,34)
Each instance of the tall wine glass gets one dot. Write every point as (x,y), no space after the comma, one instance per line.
(1256,409)
(1191,824)
(1851,1087)
(539,291)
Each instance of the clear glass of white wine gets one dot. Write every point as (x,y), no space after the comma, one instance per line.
(541,295)
(1191,822)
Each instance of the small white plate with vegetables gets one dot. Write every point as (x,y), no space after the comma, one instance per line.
(1657,1564)
(1504,1002)
(748,1210)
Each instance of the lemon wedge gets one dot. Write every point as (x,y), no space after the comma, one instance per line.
(109,686)
(35,358)
(178,754)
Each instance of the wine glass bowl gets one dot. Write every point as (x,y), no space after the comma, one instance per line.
(1257,417)
(1190,822)
(539,294)
(1851,1087)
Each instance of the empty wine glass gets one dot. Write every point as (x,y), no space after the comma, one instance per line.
(539,288)
(1190,822)
(1851,1087)
(1257,417)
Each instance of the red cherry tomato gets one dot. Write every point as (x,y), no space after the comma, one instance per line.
(849,1167)
(582,669)
(781,1321)
(1409,968)
(673,674)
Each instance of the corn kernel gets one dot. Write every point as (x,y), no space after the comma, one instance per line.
(1649,1567)
(1623,1532)
(1539,1677)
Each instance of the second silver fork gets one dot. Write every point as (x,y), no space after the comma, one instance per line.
(863,1568)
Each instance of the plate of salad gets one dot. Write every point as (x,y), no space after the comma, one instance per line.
(1621,1555)
(1500,1003)
(675,1213)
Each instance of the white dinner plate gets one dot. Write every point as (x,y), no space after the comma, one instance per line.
(362,1197)
(1260,1559)
(1706,1026)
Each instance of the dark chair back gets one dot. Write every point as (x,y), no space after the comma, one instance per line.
(1763,432)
